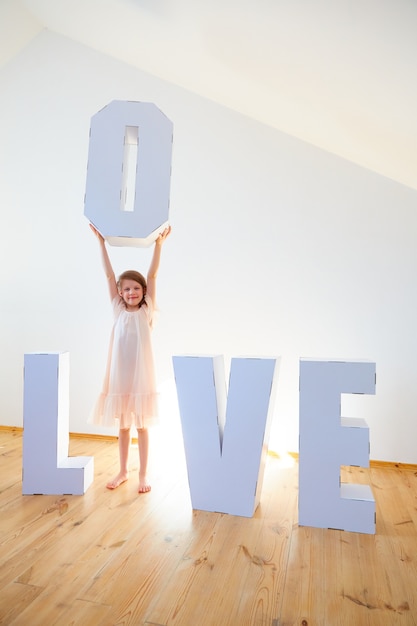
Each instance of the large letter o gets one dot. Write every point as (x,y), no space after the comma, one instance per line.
(147,132)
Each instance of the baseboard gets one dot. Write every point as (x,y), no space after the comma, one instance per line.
(372,463)
(19,429)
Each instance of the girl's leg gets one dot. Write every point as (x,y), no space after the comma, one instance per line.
(124,443)
(143,445)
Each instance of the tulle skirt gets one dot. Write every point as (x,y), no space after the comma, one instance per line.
(124,411)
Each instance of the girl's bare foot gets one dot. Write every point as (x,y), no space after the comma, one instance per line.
(117,481)
(144,486)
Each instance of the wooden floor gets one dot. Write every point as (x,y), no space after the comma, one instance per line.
(110,558)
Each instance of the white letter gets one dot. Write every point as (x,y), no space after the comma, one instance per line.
(226,441)
(47,469)
(128,136)
(328,441)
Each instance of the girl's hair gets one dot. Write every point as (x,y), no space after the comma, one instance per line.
(137,277)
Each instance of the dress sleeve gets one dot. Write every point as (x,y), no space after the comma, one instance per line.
(150,311)
(116,304)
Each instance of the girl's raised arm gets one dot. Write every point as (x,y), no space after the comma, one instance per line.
(154,266)
(111,279)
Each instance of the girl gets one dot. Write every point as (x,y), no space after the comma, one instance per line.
(129,390)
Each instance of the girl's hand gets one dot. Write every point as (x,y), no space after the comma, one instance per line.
(162,236)
(97,234)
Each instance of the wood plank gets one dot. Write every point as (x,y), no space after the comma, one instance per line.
(116,557)
(80,613)
(15,599)
(197,589)
(396,542)
(93,579)
(82,559)
(268,561)
(86,522)
(155,554)
(222,560)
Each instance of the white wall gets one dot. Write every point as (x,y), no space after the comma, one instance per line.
(277,247)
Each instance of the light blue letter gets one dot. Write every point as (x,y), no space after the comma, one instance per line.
(137,136)
(225,434)
(328,441)
(47,468)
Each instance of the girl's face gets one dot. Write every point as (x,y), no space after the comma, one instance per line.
(132,293)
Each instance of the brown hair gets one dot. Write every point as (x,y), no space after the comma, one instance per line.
(137,277)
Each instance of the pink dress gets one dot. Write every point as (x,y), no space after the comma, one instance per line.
(129,395)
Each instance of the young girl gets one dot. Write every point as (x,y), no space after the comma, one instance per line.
(129,390)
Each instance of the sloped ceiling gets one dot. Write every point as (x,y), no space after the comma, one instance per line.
(340,74)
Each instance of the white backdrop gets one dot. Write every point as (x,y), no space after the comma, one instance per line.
(278,248)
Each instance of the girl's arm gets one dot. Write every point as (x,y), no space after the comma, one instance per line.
(154,266)
(111,279)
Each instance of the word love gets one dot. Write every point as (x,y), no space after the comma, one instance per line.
(225,433)
(226,437)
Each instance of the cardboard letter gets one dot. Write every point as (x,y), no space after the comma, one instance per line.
(225,435)
(47,469)
(328,441)
(129,172)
